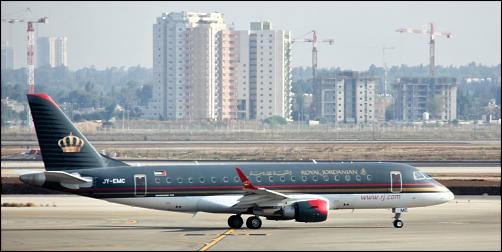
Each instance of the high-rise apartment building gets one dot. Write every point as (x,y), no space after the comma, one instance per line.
(242,74)
(193,57)
(52,51)
(349,98)
(264,75)
(205,70)
(435,95)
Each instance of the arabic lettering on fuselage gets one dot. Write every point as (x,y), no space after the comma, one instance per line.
(271,173)
(306,172)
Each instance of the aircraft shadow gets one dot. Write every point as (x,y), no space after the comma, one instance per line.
(183,229)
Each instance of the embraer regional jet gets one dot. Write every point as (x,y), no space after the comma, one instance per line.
(304,192)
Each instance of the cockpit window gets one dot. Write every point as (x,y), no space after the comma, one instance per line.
(418,175)
(426,175)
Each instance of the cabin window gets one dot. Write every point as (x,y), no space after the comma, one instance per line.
(236,179)
(282,178)
(225,179)
(180,180)
(347,177)
(168,180)
(304,178)
(202,180)
(325,178)
(337,177)
(213,180)
(369,177)
(271,179)
(258,179)
(157,180)
(314,178)
(293,178)
(358,177)
(190,180)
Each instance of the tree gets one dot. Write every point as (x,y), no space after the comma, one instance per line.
(274,121)
(144,94)
(435,106)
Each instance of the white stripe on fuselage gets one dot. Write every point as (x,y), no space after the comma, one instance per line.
(223,203)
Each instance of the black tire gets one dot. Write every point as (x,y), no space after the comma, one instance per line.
(235,221)
(253,222)
(398,224)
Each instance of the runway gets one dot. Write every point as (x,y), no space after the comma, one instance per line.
(77,223)
(258,142)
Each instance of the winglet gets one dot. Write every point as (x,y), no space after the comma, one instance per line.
(245,181)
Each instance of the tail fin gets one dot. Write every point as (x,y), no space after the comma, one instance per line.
(62,145)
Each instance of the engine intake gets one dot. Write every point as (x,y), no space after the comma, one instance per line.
(315,210)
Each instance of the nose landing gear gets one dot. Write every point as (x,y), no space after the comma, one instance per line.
(397,214)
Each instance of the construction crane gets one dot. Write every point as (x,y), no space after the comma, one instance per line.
(314,41)
(432,34)
(30,49)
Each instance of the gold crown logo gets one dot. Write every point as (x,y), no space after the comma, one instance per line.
(70,143)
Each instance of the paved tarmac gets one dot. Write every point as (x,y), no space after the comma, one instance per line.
(78,223)
(261,142)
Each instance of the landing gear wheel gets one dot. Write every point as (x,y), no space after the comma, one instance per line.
(235,221)
(398,224)
(253,222)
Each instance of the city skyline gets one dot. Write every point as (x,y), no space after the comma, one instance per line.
(95,33)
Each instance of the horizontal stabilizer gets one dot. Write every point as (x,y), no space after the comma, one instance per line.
(64,177)
(72,181)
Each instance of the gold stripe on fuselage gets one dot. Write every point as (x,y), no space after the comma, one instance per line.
(317,190)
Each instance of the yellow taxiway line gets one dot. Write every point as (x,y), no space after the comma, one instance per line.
(217,239)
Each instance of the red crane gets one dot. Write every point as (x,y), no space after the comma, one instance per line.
(30,49)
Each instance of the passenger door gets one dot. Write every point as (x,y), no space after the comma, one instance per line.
(396,183)
(140,184)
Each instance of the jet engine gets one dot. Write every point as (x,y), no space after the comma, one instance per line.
(315,210)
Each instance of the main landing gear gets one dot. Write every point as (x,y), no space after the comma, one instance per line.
(397,213)
(235,221)
(253,222)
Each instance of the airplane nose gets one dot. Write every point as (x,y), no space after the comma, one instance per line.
(450,196)
(446,196)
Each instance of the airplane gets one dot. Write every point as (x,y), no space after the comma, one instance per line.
(300,191)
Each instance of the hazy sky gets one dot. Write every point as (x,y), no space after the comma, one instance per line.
(107,34)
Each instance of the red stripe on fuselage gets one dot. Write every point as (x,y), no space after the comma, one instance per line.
(238,186)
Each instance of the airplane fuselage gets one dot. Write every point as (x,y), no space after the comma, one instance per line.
(216,187)
(304,192)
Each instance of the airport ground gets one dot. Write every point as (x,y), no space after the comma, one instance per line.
(287,150)
(63,222)
(78,223)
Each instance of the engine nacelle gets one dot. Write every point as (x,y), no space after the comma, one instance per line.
(311,210)
(315,210)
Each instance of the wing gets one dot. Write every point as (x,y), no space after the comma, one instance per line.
(255,196)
